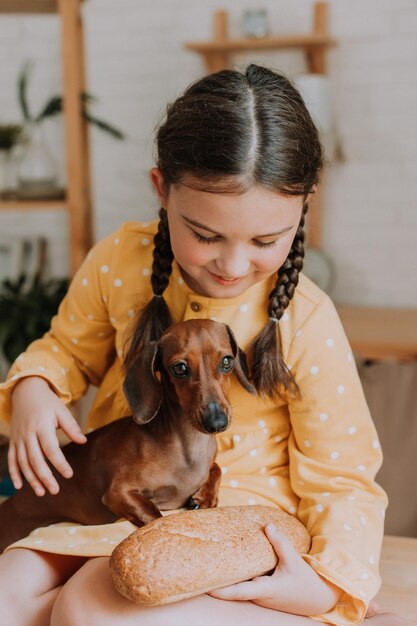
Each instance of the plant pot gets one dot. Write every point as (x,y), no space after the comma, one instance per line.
(37,171)
(4,170)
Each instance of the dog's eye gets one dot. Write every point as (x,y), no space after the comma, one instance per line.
(227,363)
(180,370)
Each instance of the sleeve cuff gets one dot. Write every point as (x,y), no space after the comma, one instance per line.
(6,390)
(352,605)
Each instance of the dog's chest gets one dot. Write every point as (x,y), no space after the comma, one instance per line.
(183,470)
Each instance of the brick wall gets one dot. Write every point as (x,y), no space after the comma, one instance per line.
(136,63)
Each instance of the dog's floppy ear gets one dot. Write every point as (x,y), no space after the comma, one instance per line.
(241,367)
(141,387)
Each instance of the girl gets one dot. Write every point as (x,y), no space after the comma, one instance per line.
(238,157)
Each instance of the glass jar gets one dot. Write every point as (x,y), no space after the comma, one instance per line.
(37,169)
(255,23)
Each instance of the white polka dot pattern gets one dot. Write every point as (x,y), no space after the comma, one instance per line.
(327,435)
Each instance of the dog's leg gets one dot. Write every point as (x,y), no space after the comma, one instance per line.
(207,496)
(130,504)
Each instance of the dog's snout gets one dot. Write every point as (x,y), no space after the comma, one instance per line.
(215,419)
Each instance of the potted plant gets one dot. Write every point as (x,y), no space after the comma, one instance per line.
(37,169)
(26,309)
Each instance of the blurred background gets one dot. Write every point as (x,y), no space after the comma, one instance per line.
(358,77)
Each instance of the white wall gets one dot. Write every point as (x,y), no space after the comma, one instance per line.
(136,63)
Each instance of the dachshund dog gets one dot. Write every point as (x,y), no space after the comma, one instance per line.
(161,459)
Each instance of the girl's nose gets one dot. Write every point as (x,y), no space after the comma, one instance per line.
(233,264)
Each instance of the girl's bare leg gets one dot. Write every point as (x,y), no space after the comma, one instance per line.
(90,598)
(29,584)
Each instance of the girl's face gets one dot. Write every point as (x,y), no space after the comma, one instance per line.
(224,242)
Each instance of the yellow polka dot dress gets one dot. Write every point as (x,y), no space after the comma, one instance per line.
(316,457)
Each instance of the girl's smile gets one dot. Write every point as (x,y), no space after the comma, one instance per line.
(226,242)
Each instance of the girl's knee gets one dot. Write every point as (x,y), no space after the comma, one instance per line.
(90,598)
(28,585)
(35,573)
(83,599)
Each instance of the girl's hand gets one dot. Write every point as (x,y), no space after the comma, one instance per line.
(294,587)
(37,413)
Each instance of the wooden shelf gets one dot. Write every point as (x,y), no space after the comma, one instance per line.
(35,205)
(380,333)
(28,6)
(245,44)
(78,197)
(217,52)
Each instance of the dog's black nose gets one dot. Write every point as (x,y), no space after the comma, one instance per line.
(215,419)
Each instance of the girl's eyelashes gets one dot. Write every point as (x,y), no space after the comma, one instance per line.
(264,244)
(204,239)
(257,243)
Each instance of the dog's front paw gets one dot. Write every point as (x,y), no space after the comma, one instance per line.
(192,504)
(202,499)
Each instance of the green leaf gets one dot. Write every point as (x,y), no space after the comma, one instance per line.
(51,108)
(9,135)
(54,106)
(108,128)
(22,90)
(87,98)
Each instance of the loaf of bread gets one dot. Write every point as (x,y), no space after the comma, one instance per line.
(192,552)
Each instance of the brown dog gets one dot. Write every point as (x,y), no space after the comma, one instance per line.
(163,458)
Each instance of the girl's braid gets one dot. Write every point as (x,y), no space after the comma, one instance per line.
(162,256)
(269,371)
(155,317)
(288,274)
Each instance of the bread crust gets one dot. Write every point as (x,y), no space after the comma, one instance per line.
(192,552)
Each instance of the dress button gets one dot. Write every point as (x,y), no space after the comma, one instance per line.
(196,307)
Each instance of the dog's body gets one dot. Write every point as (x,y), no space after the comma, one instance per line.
(161,459)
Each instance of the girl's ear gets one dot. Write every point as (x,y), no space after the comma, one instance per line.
(157,181)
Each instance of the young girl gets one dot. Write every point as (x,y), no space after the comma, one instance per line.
(238,157)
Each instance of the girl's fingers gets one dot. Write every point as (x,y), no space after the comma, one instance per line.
(50,447)
(39,465)
(70,426)
(14,470)
(241,591)
(282,545)
(28,472)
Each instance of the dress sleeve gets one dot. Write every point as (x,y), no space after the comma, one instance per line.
(334,456)
(79,347)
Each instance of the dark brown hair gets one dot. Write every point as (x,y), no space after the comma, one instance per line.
(231,131)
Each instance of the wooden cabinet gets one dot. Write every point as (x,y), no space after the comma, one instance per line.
(77,201)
